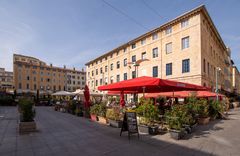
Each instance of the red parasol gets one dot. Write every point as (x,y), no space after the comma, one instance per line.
(87,97)
(122,101)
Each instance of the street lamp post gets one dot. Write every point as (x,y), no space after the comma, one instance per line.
(217,70)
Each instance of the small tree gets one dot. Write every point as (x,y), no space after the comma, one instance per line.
(26,110)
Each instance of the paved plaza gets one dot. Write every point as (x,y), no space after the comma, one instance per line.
(65,134)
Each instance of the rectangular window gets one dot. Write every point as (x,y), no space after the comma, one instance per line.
(101,71)
(155,71)
(168,30)
(134,58)
(101,81)
(155,52)
(169,69)
(144,55)
(111,66)
(106,68)
(133,74)
(20,86)
(125,76)
(124,50)
(204,65)
(96,72)
(118,64)
(125,62)
(168,48)
(143,41)
(27,86)
(118,78)
(185,42)
(184,23)
(133,45)
(96,82)
(208,68)
(186,66)
(154,36)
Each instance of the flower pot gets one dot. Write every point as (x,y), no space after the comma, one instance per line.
(93,117)
(114,123)
(26,127)
(153,130)
(102,120)
(193,127)
(203,121)
(177,134)
(143,129)
(188,129)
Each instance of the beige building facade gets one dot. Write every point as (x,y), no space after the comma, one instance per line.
(187,49)
(32,74)
(6,80)
(236,80)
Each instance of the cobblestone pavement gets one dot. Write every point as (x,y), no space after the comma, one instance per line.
(65,134)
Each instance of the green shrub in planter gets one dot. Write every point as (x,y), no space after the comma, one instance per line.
(215,107)
(6,101)
(148,112)
(176,119)
(202,108)
(26,110)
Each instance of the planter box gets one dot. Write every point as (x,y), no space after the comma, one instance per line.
(114,123)
(102,120)
(153,130)
(203,121)
(235,104)
(143,129)
(188,129)
(193,127)
(26,127)
(93,117)
(177,134)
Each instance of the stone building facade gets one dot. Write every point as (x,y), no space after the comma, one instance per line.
(187,49)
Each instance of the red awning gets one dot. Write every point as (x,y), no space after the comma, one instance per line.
(183,94)
(150,85)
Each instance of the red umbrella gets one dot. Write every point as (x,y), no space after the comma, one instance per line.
(122,101)
(87,97)
(146,84)
(183,94)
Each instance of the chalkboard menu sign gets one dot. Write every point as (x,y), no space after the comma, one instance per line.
(130,123)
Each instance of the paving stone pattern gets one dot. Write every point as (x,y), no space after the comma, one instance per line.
(64,134)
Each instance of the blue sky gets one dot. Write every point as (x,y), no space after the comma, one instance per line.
(72,32)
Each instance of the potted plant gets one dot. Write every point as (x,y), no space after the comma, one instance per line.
(148,115)
(215,109)
(174,120)
(94,112)
(102,113)
(203,111)
(27,114)
(114,117)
